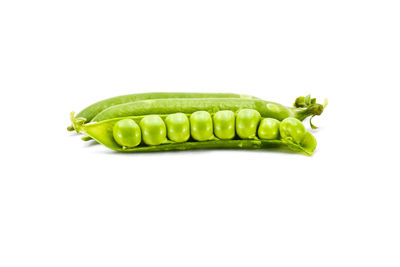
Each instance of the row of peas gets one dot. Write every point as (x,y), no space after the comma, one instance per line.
(202,126)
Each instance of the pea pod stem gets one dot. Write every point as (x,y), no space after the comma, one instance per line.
(77,123)
(307,106)
(311,110)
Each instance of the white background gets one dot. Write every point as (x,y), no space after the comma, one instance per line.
(64,202)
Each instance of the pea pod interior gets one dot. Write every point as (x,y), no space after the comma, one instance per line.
(102,132)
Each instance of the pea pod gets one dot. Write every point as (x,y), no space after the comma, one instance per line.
(87,114)
(212,105)
(102,132)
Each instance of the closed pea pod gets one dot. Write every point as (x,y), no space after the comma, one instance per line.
(201,126)
(246,123)
(127,133)
(178,127)
(224,124)
(269,129)
(87,114)
(169,106)
(292,128)
(153,130)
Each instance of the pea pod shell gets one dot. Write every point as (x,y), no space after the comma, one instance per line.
(189,106)
(89,112)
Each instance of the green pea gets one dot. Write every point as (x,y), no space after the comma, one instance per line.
(269,129)
(178,127)
(127,133)
(293,128)
(201,126)
(224,124)
(246,123)
(153,130)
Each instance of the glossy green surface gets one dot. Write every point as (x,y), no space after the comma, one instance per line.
(247,122)
(268,129)
(178,127)
(292,128)
(154,131)
(127,133)
(224,124)
(201,126)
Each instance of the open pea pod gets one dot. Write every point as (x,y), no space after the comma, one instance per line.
(102,132)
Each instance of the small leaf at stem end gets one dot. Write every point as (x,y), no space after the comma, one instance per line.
(307,100)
